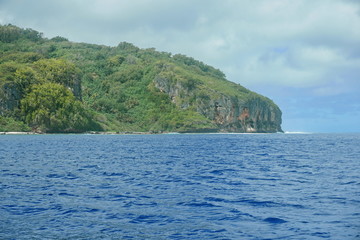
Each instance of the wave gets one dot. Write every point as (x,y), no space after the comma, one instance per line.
(289,132)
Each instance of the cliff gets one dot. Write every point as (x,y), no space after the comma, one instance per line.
(237,111)
(54,85)
(9,99)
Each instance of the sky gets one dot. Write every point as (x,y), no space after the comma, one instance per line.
(302,54)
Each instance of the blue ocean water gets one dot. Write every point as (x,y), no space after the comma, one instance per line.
(186,186)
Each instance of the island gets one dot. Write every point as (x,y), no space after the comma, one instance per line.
(58,86)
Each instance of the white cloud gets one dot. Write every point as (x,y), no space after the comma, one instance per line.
(266,45)
(296,42)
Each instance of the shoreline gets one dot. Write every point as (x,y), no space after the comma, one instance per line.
(87,133)
(126,133)
(18,133)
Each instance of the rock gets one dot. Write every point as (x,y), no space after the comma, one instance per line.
(9,99)
(231,113)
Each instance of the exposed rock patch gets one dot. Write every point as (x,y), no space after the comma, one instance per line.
(229,113)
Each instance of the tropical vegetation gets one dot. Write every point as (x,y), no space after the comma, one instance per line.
(55,85)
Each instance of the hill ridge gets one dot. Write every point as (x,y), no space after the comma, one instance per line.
(55,85)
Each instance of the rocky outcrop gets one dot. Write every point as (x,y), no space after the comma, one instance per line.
(232,114)
(9,99)
(251,113)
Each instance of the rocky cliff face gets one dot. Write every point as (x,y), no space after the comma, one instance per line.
(255,114)
(9,99)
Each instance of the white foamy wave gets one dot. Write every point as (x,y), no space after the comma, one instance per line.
(289,132)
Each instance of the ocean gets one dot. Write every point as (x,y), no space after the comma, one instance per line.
(180,186)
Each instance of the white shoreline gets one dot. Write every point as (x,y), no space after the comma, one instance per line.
(18,133)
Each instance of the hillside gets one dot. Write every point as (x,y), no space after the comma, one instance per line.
(54,85)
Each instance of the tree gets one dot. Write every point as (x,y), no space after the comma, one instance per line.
(10,33)
(59,39)
(25,77)
(51,107)
(58,71)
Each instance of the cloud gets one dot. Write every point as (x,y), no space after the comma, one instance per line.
(275,47)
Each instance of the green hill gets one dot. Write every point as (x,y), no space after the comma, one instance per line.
(54,85)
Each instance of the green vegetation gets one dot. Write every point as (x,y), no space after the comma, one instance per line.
(54,85)
(51,107)
(8,124)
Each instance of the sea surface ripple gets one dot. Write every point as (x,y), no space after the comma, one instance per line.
(184,186)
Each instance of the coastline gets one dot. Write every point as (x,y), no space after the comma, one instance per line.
(89,133)
(18,133)
(125,133)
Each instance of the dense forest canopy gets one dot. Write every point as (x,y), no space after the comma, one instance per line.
(54,85)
